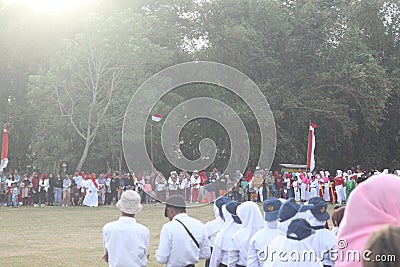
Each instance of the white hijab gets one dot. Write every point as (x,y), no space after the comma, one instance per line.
(224,238)
(252,221)
(214,226)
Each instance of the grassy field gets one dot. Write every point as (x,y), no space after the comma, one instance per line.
(72,236)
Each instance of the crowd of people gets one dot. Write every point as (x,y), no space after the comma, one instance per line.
(89,189)
(286,233)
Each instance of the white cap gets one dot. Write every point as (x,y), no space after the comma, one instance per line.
(129,202)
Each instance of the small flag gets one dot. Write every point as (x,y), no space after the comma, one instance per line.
(4,149)
(156,117)
(311,147)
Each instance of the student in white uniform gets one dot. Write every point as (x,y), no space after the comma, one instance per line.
(261,240)
(183,240)
(324,239)
(252,222)
(296,243)
(223,240)
(126,242)
(213,227)
(313,187)
(289,211)
(92,189)
(296,188)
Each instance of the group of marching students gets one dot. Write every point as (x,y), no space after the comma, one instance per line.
(286,232)
(365,232)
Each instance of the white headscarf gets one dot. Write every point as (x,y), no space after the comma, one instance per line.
(213,227)
(252,221)
(224,237)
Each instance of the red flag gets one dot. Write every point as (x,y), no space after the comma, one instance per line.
(156,117)
(4,148)
(311,147)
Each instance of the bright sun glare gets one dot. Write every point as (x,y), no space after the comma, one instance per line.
(50,6)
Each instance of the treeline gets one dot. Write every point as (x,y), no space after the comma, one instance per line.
(66,79)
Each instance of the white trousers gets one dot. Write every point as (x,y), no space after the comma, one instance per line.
(340,193)
(313,193)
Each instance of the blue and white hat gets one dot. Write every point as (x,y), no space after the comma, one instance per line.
(290,208)
(271,208)
(231,207)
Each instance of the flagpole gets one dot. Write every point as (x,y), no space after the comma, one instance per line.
(151,146)
(309,148)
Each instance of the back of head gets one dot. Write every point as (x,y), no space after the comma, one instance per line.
(231,207)
(337,216)
(176,202)
(366,212)
(385,242)
(250,215)
(129,203)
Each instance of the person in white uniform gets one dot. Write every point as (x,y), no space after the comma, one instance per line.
(92,189)
(323,240)
(296,243)
(126,242)
(213,227)
(252,222)
(261,240)
(223,240)
(314,187)
(183,240)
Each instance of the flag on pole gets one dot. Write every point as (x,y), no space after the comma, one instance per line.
(156,117)
(4,149)
(311,147)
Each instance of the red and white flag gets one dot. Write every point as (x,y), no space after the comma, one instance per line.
(311,147)
(4,149)
(156,117)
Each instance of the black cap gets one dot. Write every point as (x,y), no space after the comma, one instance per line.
(231,207)
(320,210)
(174,201)
(299,229)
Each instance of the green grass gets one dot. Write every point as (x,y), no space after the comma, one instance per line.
(72,236)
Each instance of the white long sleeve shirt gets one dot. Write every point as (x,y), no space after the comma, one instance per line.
(176,247)
(213,227)
(127,242)
(259,243)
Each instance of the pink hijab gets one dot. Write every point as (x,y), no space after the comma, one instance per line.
(372,204)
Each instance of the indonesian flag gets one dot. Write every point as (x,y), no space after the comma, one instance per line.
(156,117)
(4,149)
(311,147)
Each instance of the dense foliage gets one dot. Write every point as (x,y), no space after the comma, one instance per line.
(66,79)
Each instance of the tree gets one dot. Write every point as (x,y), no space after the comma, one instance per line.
(94,73)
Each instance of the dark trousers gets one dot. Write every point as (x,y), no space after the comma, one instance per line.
(108,198)
(35,196)
(42,196)
(50,197)
(114,195)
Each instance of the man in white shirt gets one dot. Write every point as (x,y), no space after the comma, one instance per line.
(183,240)
(126,242)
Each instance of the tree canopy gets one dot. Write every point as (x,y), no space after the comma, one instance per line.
(66,80)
